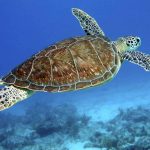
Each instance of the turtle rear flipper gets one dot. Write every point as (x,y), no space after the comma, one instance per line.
(138,58)
(88,24)
(9,95)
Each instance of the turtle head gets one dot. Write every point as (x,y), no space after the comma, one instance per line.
(129,43)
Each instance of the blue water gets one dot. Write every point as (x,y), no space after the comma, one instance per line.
(27,26)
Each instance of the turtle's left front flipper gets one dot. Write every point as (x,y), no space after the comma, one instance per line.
(9,95)
(88,24)
(138,58)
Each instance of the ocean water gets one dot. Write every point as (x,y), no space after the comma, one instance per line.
(114,116)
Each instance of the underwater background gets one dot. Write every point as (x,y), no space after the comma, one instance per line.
(115,116)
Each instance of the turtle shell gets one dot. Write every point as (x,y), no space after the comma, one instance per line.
(75,63)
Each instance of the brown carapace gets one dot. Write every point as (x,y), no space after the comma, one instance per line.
(75,63)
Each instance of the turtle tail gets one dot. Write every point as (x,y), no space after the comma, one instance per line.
(10,95)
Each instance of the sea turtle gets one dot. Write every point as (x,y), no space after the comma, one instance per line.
(72,64)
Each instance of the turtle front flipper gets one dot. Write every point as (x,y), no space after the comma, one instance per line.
(88,24)
(9,95)
(138,58)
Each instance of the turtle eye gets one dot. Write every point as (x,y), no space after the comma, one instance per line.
(128,42)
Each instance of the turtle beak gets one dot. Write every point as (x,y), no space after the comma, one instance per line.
(138,39)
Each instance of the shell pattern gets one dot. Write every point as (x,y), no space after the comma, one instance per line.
(72,64)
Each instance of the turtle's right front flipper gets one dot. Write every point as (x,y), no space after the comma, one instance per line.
(138,58)
(89,24)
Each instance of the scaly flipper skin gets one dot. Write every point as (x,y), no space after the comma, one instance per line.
(138,58)
(9,95)
(88,23)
